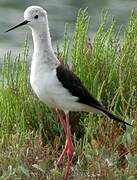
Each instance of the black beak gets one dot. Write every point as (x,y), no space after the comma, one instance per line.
(21,24)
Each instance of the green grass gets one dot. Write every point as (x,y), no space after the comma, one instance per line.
(31,138)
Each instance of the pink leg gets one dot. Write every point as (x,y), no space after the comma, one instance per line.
(62,154)
(63,123)
(69,149)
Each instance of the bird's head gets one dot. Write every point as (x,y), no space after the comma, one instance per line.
(33,16)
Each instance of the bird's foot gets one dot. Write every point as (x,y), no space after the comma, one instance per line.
(69,151)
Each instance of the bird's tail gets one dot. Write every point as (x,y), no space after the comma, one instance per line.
(110,115)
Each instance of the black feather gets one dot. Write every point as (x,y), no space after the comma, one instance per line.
(74,85)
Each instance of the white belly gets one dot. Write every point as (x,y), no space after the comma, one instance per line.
(50,91)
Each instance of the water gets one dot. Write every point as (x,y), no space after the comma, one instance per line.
(59,12)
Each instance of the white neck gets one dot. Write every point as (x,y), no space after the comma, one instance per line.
(41,38)
(43,51)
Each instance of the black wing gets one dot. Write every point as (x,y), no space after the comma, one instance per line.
(74,85)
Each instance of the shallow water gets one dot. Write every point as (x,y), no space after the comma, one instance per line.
(59,12)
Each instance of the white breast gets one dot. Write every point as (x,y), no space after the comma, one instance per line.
(49,90)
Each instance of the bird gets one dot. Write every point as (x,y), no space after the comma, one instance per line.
(56,85)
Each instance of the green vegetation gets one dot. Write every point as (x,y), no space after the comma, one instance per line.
(30,136)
